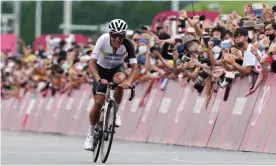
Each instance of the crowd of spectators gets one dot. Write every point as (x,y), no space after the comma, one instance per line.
(196,51)
(60,67)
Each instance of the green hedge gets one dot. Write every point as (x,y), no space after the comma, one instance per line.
(227,6)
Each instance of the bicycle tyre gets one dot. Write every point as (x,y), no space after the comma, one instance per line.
(97,149)
(110,111)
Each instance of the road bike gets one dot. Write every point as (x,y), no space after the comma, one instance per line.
(105,128)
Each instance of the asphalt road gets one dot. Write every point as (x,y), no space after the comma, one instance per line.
(46,149)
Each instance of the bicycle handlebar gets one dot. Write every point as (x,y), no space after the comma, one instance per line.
(132,94)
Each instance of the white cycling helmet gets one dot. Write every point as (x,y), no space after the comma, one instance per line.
(118,26)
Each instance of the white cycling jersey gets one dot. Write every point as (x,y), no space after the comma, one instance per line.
(103,52)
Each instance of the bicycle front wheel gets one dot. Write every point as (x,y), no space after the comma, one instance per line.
(108,130)
(97,147)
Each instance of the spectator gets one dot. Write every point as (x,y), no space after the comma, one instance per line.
(208,55)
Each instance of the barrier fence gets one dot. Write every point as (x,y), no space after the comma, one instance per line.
(177,115)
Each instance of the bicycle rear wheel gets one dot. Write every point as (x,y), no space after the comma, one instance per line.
(108,130)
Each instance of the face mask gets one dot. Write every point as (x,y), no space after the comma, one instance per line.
(271,37)
(261,49)
(142,50)
(250,34)
(83,65)
(216,51)
(261,43)
(216,42)
(240,44)
(79,67)
(65,66)
(11,64)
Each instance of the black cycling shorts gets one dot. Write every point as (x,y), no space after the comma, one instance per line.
(107,74)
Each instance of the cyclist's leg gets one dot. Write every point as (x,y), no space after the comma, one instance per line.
(99,91)
(119,77)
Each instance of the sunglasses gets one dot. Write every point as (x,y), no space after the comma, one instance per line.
(117,35)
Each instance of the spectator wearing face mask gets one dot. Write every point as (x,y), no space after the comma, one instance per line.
(217,32)
(142,50)
(259,28)
(191,45)
(250,26)
(270,32)
(250,62)
(136,36)
(227,35)
(198,66)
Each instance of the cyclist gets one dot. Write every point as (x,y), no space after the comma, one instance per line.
(107,65)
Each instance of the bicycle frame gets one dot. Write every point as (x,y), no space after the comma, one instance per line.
(110,92)
(106,112)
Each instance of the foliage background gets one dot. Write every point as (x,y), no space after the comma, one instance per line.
(135,13)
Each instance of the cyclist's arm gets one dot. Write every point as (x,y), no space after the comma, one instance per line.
(94,57)
(93,69)
(132,60)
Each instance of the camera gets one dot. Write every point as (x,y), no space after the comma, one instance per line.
(182,22)
(226,78)
(204,60)
(200,82)
(171,48)
(216,41)
(202,18)
(206,39)
(185,57)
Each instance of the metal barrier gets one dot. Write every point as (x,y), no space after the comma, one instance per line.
(177,115)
